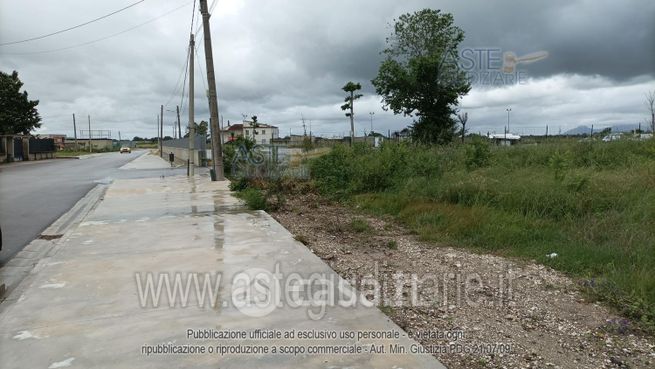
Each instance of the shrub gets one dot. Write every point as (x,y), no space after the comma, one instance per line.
(359,225)
(478,153)
(392,245)
(254,198)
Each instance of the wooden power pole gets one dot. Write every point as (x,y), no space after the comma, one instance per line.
(179,128)
(89,133)
(192,125)
(77,148)
(161,131)
(217,150)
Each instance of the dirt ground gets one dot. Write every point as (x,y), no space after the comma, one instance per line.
(487,311)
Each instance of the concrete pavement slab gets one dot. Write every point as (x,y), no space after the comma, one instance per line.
(146,161)
(218,268)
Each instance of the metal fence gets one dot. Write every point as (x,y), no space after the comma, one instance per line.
(42,145)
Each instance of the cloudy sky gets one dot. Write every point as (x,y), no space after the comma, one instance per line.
(278,59)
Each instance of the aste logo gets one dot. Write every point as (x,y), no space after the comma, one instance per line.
(493,66)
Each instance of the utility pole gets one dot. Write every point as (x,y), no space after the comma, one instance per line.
(220,136)
(179,128)
(592,131)
(161,131)
(77,148)
(192,126)
(89,133)
(217,150)
(157,135)
(371,114)
(119,137)
(508,111)
(304,127)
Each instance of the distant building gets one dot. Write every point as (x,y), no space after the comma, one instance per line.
(504,139)
(402,135)
(232,132)
(261,133)
(60,140)
(96,144)
(294,140)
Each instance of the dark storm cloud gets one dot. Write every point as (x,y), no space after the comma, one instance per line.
(280,59)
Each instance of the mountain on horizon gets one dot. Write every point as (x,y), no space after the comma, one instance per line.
(585,130)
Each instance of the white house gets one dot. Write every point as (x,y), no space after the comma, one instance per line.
(261,133)
(504,139)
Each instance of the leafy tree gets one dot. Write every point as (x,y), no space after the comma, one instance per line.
(18,114)
(201,129)
(230,151)
(350,88)
(421,75)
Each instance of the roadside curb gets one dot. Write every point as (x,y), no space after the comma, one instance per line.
(16,272)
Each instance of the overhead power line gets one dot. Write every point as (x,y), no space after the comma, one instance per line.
(103,38)
(71,28)
(186,73)
(179,79)
(193,14)
(202,71)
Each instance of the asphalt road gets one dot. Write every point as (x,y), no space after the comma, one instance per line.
(35,194)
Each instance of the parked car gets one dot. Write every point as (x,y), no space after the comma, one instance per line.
(126,150)
(612,137)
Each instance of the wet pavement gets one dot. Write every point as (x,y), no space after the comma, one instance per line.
(34,194)
(85,306)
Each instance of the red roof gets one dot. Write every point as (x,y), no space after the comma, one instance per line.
(235,127)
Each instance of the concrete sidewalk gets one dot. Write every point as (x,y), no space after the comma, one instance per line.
(146,160)
(84,306)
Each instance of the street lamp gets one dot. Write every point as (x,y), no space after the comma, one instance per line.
(174,128)
(508,111)
(371,114)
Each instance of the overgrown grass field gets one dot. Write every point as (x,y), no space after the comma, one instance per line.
(591,203)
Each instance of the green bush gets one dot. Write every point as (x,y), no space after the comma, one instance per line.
(254,198)
(478,153)
(359,225)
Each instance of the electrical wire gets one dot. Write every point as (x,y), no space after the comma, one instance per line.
(202,71)
(179,78)
(198,43)
(211,10)
(193,15)
(71,28)
(103,38)
(186,73)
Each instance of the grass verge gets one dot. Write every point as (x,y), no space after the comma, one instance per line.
(590,203)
